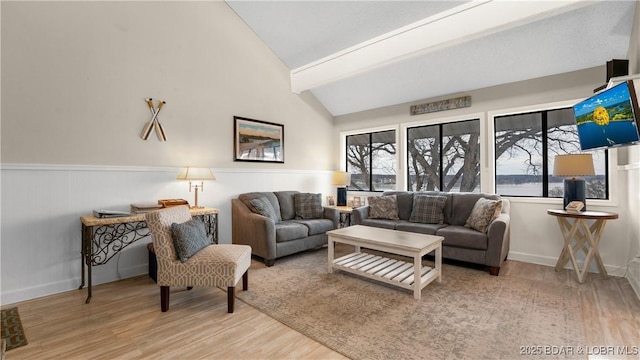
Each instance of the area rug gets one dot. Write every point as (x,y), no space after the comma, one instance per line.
(469,315)
(12,330)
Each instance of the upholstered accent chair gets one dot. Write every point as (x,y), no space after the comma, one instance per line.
(212,266)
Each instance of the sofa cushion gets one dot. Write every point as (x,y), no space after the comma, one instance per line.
(429,229)
(381,223)
(247,197)
(308,206)
(290,230)
(189,237)
(405,203)
(460,236)
(383,207)
(427,209)
(287,204)
(483,213)
(317,226)
(462,204)
(263,207)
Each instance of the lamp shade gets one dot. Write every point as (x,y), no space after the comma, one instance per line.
(196,173)
(341,178)
(572,165)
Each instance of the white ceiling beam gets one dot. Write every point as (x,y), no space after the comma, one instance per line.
(472,20)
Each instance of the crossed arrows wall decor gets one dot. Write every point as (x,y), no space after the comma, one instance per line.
(154,123)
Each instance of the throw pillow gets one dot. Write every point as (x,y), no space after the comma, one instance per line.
(483,213)
(308,206)
(383,207)
(263,207)
(188,238)
(427,209)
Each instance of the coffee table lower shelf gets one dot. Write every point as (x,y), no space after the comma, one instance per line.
(391,271)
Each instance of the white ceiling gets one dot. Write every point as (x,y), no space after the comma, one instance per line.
(360,55)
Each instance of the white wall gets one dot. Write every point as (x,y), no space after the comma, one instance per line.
(633,167)
(535,236)
(75,76)
(74,79)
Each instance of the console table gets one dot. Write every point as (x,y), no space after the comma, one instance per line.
(578,235)
(103,238)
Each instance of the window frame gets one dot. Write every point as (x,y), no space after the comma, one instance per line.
(487,148)
(441,125)
(611,159)
(343,152)
(436,118)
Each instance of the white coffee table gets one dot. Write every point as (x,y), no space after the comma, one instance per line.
(391,271)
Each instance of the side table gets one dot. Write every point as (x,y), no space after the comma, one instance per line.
(345,215)
(578,235)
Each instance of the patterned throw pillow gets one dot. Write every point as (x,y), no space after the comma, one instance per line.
(427,209)
(263,207)
(308,206)
(483,213)
(188,238)
(383,207)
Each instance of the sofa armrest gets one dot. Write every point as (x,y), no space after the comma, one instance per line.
(498,237)
(358,214)
(255,230)
(332,214)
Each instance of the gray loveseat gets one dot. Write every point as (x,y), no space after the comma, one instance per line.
(285,232)
(460,243)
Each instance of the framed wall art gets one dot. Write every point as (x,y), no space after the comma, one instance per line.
(257,140)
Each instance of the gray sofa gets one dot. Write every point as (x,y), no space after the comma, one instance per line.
(282,235)
(460,243)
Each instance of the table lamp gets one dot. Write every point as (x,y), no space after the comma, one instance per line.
(342,179)
(194,174)
(571,166)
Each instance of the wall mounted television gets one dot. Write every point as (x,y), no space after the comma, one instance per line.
(610,118)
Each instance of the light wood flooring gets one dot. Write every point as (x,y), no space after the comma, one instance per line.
(123,321)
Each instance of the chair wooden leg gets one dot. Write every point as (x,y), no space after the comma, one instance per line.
(245,280)
(230,298)
(494,270)
(164,298)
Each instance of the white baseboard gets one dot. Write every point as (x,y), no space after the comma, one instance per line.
(551,261)
(28,293)
(58,287)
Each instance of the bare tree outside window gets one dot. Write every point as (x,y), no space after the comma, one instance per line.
(371,160)
(444,157)
(522,147)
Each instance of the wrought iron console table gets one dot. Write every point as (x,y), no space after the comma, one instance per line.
(103,238)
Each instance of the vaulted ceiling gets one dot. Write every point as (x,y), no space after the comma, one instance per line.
(360,55)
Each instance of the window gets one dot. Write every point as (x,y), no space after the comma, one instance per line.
(444,157)
(526,145)
(371,160)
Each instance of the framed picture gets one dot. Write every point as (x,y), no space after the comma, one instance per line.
(356,201)
(256,140)
(331,201)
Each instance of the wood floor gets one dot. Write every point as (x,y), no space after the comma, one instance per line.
(123,321)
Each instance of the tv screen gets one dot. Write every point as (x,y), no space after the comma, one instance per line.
(609,118)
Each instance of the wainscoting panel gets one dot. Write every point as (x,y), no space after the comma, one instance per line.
(42,204)
(633,273)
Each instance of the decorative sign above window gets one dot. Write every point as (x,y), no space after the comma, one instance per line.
(449,104)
